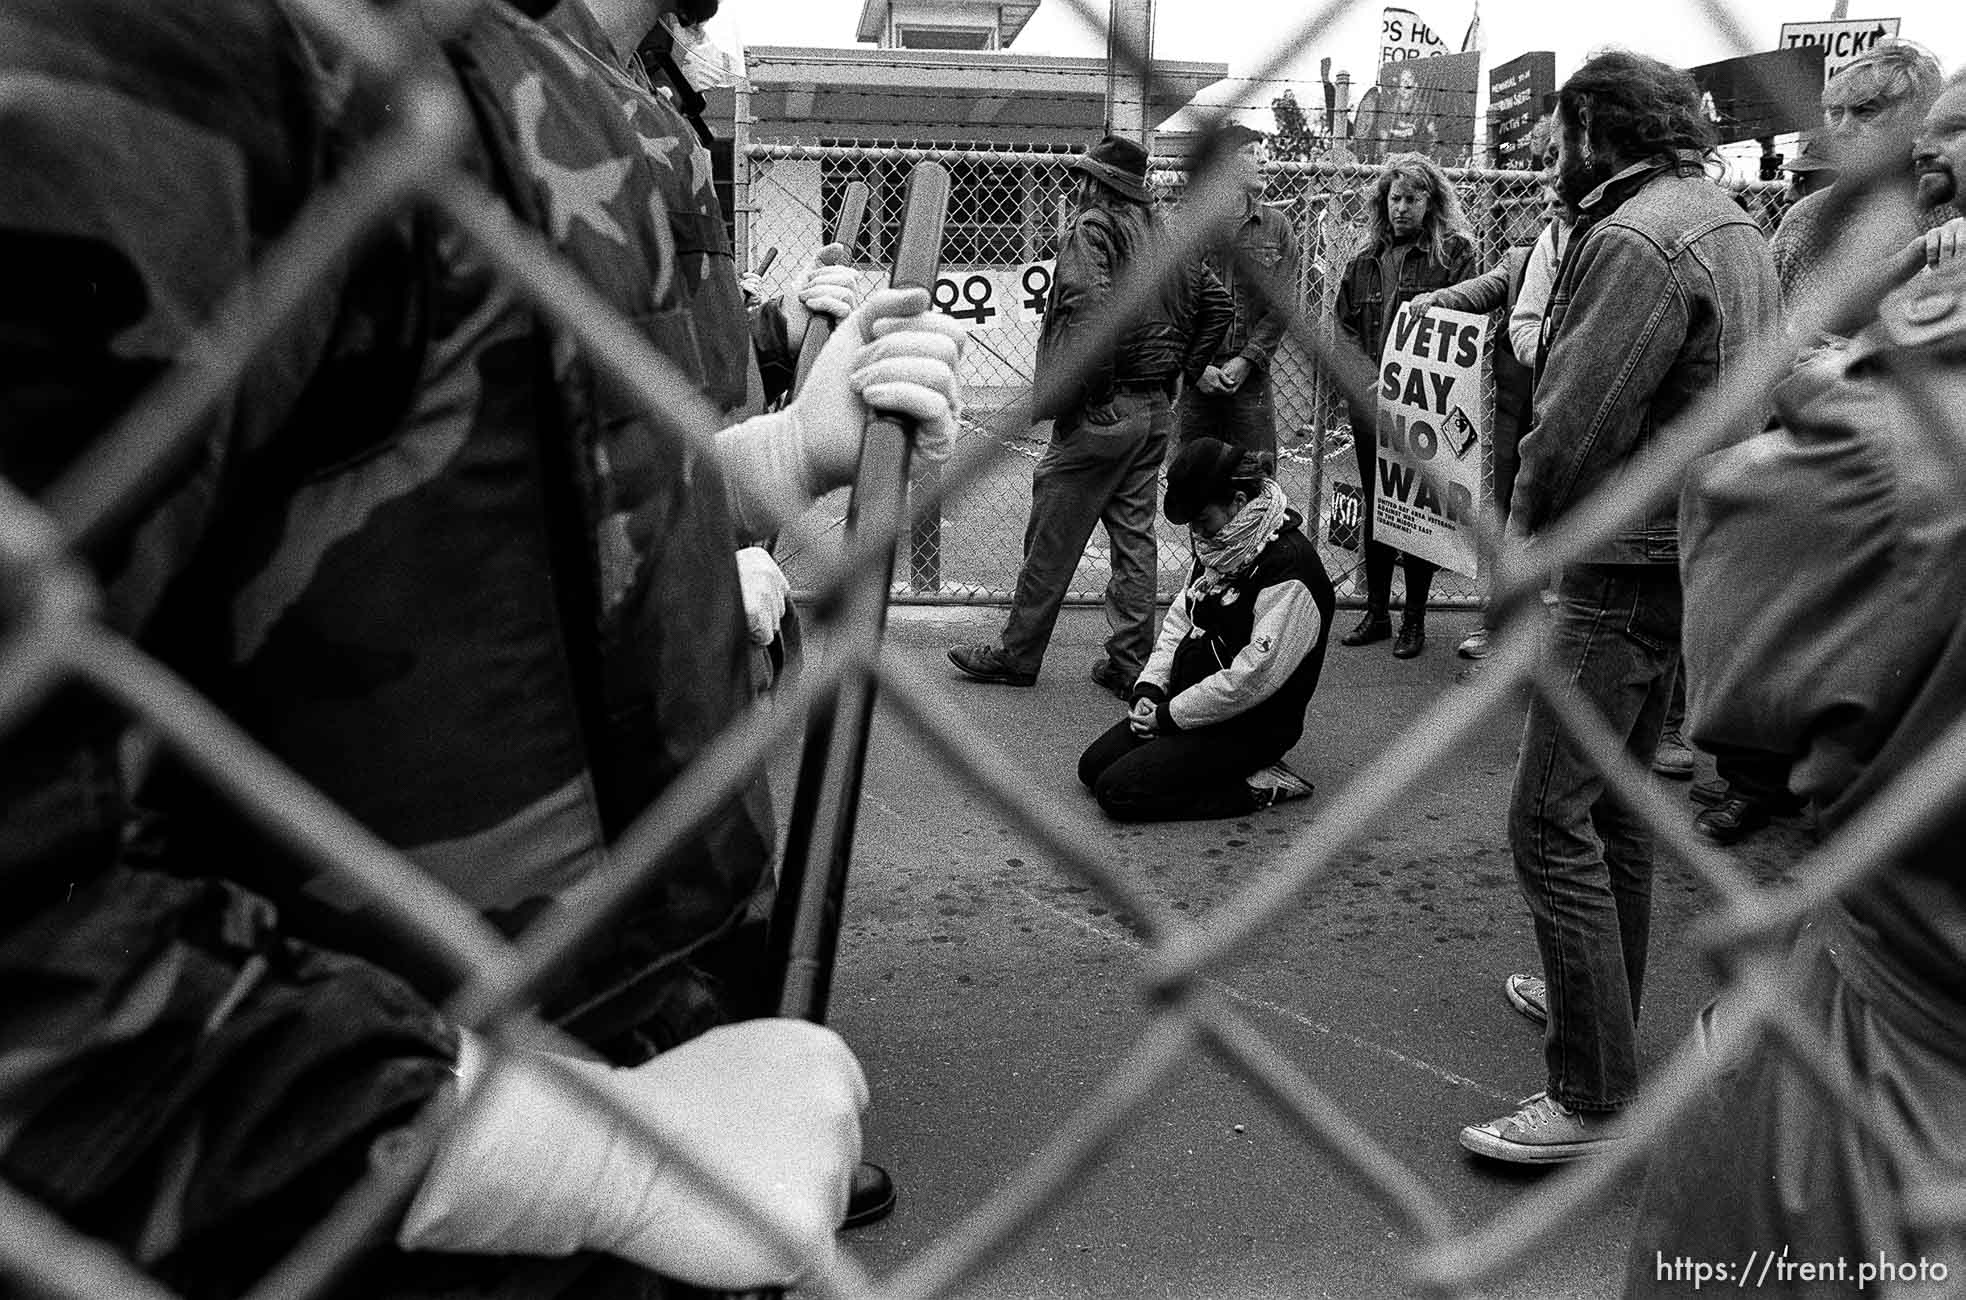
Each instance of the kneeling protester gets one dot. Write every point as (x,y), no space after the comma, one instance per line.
(1223,695)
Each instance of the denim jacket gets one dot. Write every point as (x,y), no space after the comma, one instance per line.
(1664,289)
(1260,265)
(1379,281)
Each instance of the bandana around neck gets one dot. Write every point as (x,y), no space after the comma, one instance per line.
(1231,551)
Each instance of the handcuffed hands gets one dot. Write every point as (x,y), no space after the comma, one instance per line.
(772,1107)
(765,593)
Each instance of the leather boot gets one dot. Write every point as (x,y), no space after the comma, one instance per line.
(1377,625)
(1412,637)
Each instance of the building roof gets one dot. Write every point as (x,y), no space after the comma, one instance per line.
(997,96)
(1007,16)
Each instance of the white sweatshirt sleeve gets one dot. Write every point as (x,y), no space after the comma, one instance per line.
(1286,627)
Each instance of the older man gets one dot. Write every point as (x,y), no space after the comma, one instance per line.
(1855,491)
(1664,281)
(1871,108)
(1111,415)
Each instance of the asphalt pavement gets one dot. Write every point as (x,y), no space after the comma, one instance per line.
(990,994)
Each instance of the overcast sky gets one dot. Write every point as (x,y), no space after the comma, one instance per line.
(1243,33)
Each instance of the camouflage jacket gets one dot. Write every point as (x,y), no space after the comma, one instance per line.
(492,617)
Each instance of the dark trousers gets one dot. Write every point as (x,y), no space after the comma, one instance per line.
(1184,776)
(1583,858)
(1245,418)
(1379,557)
(1750,773)
(1092,473)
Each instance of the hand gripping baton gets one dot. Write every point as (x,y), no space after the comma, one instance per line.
(853,213)
(805,921)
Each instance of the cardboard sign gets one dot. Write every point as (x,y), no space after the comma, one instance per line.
(1426,489)
(1842,40)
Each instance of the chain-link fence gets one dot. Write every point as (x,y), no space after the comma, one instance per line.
(1007,212)
(53,638)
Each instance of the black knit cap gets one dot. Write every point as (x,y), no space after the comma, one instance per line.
(1119,164)
(1202,472)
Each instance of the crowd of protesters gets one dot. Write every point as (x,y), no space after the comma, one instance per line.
(1640,306)
(205,1043)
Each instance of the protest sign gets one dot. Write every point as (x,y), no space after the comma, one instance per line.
(1433,425)
(1403,36)
(1762,94)
(1423,106)
(1516,93)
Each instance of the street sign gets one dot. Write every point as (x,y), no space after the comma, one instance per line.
(1842,39)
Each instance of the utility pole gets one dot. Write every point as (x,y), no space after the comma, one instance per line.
(1129,26)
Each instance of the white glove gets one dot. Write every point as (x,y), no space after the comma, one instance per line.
(772,1105)
(765,593)
(894,354)
(827,288)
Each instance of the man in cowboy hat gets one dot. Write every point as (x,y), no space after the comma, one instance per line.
(1111,411)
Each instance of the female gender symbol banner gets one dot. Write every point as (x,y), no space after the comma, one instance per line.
(1433,429)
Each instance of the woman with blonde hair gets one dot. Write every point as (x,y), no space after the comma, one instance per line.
(1417,241)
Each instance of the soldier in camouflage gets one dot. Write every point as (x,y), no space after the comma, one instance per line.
(455,577)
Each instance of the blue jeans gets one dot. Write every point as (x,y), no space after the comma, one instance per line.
(1245,418)
(1582,857)
(1103,464)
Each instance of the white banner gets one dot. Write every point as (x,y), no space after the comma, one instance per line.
(990,297)
(1433,425)
(1403,36)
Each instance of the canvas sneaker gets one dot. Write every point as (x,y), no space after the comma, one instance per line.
(1529,995)
(1543,1131)
(1275,784)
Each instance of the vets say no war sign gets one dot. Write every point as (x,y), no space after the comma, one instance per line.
(1433,431)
